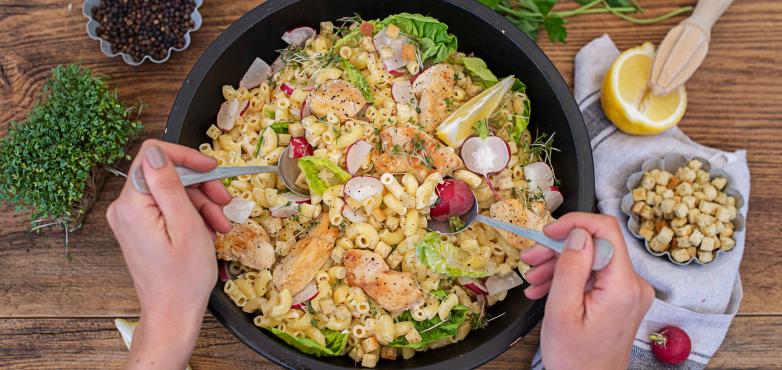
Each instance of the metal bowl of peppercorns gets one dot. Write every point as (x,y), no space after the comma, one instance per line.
(141,30)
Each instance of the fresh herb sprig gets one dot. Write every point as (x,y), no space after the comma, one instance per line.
(530,15)
(54,161)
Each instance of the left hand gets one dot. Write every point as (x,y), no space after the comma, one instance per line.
(167,241)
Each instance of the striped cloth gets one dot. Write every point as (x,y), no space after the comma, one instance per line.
(701,299)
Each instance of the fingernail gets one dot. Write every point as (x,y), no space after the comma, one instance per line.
(576,240)
(527,289)
(525,250)
(155,156)
(530,270)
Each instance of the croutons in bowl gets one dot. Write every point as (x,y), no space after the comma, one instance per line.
(683,208)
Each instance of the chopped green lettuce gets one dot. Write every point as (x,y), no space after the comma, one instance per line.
(358,80)
(311,166)
(445,258)
(335,342)
(432,330)
(439,293)
(435,41)
(478,67)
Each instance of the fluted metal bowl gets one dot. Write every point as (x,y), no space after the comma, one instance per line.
(671,163)
(105,46)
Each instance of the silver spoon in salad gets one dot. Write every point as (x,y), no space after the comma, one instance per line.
(286,167)
(603,250)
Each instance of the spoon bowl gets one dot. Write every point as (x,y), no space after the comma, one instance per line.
(603,250)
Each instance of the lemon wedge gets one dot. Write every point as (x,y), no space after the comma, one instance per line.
(126,330)
(628,101)
(458,126)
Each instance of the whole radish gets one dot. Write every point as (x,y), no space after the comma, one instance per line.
(671,345)
(484,154)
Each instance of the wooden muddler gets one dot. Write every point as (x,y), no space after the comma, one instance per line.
(685,47)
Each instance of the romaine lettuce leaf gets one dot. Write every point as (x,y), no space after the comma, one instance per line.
(335,342)
(436,42)
(478,67)
(445,258)
(311,166)
(432,330)
(358,80)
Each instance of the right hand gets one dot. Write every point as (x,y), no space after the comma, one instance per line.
(167,241)
(588,320)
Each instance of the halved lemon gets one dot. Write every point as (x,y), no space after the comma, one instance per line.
(458,126)
(628,101)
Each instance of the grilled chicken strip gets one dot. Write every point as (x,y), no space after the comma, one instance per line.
(304,260)
(517,214)
(337,96)
(247,243)
(394,291)
(402,153)
(432,87)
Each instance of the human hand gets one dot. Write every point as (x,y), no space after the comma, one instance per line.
(587,320)
(168,248)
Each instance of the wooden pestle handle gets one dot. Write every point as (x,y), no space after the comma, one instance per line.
(707,12)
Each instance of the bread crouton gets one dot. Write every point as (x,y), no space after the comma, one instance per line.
(370,344)
(388,353)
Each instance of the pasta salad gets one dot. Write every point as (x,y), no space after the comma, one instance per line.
(380,115)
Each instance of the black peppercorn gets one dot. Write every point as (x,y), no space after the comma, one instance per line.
(144,27)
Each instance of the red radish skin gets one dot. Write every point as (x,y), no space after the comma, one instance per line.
(300,147)
(245,104)
(298,36)
(474,285)
(222,268)
(553,198)
(356,155)
(397,72)
(485,155)
(305,295)
(671,345)
(456,198)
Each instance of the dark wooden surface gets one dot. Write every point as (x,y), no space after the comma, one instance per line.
(58,314)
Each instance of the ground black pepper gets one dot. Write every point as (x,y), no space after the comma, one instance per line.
(144,27)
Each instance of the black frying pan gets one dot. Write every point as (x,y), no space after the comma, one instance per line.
(505,49)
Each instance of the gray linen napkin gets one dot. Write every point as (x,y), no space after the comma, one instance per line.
(701,299)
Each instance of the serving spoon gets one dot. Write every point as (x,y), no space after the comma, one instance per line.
(602,253)
(286,167)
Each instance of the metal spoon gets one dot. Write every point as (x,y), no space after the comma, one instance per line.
(603,249)
(287,167)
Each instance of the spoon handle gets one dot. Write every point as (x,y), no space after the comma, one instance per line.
(190,177)
(603,249)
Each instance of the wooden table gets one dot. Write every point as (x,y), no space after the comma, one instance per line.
(58,314)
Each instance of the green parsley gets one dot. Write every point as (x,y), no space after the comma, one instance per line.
(455,224)
(55,160)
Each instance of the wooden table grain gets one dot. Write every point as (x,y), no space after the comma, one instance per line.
(58,314)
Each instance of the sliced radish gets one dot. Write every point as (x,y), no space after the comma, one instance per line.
(474,285)
(496,284)
(538,175)
(305,108)
(298,36)
(228,113)
(398,72)
(285,210)
(485,154)
(553,198)
(305,295)
(300,147)
(222,270)
(354,215)
(296,198)
(289,87)
(362,114)
(239,210)
(381,40)
(256,74)
(402,92)
(356,155)
(363,187)
(243,105)
(277,64)
(412,80)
